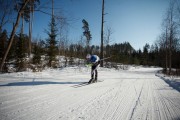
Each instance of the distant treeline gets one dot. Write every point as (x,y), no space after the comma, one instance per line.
(154,55)
(20,51)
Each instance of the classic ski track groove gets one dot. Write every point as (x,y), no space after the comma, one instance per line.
(38,106)
(84,105)
(113,98)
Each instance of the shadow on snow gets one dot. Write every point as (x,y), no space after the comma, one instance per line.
(174,84)
(31,83)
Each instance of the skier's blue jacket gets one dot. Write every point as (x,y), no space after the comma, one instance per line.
(94,59)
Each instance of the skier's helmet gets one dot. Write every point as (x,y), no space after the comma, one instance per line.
(88,56)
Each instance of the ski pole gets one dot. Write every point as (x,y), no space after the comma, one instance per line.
(105,58)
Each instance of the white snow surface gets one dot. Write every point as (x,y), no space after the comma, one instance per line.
(56,94)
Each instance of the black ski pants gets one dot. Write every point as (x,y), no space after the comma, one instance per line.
(94,72)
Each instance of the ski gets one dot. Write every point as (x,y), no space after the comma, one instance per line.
(84,84)
(80,85)
(105,58)
(97,81)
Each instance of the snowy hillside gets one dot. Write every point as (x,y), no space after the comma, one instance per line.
(136,93)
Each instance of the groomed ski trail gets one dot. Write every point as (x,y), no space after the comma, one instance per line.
(125,95)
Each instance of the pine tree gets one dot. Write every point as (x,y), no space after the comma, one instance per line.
(20,53)
(3,42)
(52,49)
(87,34)
(37,54)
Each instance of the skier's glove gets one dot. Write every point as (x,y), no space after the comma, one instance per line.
(88,65)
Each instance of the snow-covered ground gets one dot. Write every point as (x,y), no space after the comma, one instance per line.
(136,93)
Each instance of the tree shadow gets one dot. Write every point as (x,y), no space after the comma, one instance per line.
(172,83)
(32,83)
(177,118)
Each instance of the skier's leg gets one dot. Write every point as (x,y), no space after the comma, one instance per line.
(96,75)
(92,75)
(96,72)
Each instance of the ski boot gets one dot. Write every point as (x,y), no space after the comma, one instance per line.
(91,81)
(95,80)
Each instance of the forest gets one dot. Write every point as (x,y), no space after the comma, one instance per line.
(21,51)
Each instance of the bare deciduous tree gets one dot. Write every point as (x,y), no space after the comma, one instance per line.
(169,37)
(21,10)
(107,40)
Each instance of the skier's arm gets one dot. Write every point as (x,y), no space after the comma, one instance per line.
(88,63)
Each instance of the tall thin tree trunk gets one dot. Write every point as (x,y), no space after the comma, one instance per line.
(12,34)
(30,28)
(52,8)
(166,50)
(102,25)
(170,52)
(171,39)
(22,28)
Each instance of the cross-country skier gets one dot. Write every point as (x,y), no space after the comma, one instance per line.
(95,61)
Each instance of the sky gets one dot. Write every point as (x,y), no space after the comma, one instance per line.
(135,21)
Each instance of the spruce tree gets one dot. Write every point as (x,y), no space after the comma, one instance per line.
(20,53)
(3,42)
(51,42)
(37,54)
